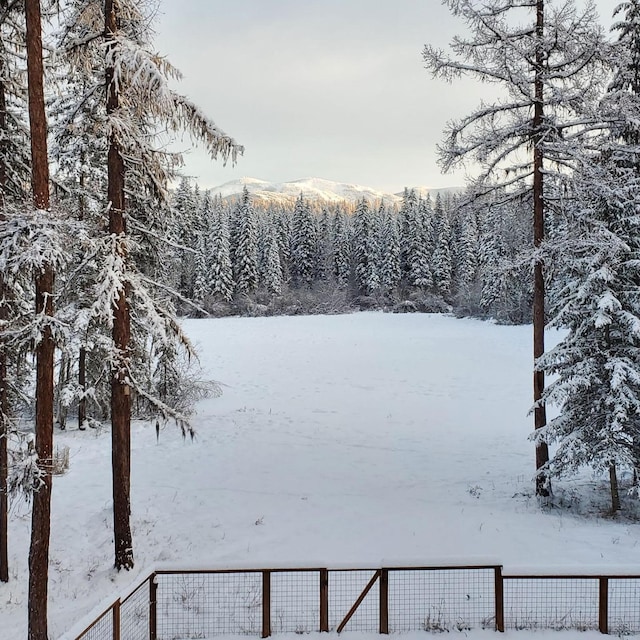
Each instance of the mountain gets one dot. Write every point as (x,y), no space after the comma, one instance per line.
(316,189)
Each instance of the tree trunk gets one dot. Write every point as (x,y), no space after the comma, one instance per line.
(82,381)
(543,485)
(63,380)
(44,281)
(120,394)
(82,353)
(613,483)
(4,407)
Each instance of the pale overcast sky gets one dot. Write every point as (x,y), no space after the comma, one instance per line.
(333,89)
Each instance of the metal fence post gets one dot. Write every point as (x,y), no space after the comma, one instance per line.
(266,604)
(499,597)
(384,600)
(603,606)
(153,607)
(324,600)
(116,619)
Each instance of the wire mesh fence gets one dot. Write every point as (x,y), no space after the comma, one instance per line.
(102,628)
(345,587)
(624,609)
(134,614)
(441,599)
(202,605)
(551,603)
(295,601)
(173,605)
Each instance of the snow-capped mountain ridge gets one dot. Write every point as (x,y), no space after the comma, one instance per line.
(317,189)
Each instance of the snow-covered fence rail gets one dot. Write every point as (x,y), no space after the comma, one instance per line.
(171,605)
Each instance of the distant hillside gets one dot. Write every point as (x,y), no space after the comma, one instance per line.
(314,189)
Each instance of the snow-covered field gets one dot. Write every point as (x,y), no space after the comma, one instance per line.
(341,440)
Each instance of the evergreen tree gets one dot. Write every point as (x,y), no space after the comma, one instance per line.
(408,216)
(15,164)
(597,364)
(441,259)
(365,250)
(245,257)
(44,311)
(341,248)
(547,62)
(304,245)
(466,253)
(389,245)
(219,268)
(273,271)
(419,246)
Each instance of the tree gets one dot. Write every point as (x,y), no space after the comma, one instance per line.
(138,100)
(303,244)
(245,245)
(44,282)
(341,254)
(597,365)
(389,243)
(365,250)
(273,268)
(547,65)
(220,269)
(441,259)
(14,174)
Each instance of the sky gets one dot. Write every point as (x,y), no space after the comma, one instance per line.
(333,89)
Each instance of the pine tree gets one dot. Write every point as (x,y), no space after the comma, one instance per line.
(220,270)
(420,246)
(44,283)
(365,250)
(441,259)
(200,286)
(185,203)
(389,246)
(14,175)
(304,245)
(273,270)
(137,99)
(547,62)
(597,364)
(245,257)
(466,253)
(341,248)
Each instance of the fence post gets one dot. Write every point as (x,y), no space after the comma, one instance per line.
(384,601)
(153,607)
(324,600)
(266,604)
(499,596)
(603,608)
(116,619)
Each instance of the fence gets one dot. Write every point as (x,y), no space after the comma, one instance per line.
(175,605)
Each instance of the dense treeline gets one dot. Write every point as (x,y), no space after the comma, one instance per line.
(426,254)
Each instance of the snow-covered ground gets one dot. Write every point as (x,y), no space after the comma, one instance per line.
(340,440)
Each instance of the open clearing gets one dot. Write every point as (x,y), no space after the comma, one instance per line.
(339,440)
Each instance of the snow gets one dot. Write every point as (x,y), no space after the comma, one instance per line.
(339,441)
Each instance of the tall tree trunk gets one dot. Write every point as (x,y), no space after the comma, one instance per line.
(613,484)
(44,281)
(4,405)
(82,354)
(120,394)
(82,382)
(543,485)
